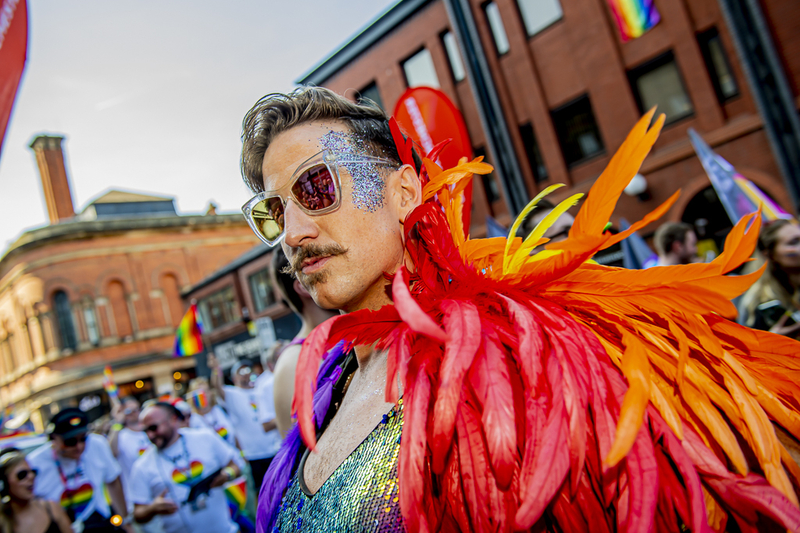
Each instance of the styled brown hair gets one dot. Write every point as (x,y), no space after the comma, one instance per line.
(668,234)
(275,113)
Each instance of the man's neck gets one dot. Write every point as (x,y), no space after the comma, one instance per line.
(173,440)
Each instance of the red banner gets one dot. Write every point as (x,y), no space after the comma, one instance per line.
(429,117)
(13,53)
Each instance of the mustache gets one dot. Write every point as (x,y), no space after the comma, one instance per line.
(312,251)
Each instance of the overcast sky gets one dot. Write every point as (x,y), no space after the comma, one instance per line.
(150,94)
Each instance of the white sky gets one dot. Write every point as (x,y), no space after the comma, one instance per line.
(150,94)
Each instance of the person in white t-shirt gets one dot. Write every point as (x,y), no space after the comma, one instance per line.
(74,468)
(127,439)
(207,414)
(162,478)
(258,446)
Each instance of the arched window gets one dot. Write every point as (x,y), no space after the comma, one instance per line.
(66,327)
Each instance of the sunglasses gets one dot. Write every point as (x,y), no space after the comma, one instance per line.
(73,441)
(22,474)
(315,187)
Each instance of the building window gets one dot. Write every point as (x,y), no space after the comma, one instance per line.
(420,71)
(717,64)
(532,151)
(658,83)
(371,92)
(261,290)
(577,131)
(219,309)
(496,25)
(66,327)
(92,329)
(454,55)
(539,14)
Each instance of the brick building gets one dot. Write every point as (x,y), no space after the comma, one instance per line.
(101,287)
(240,311)
(571,89)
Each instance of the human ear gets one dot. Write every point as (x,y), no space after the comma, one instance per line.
(300,289)
(405,190)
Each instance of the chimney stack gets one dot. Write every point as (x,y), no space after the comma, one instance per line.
(55,183)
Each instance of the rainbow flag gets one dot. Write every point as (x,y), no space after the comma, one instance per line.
(738,195)
(634,17)
(236,492)
(198,399)
(769,209)
(108,383)
(188,337)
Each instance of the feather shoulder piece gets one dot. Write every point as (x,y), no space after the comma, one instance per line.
(548,392)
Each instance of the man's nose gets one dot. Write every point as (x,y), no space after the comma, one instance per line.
(299,225)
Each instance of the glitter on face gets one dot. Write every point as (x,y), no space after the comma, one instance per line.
(368,184)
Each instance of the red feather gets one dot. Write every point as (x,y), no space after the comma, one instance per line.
(411,462)
(305,382)
(462,324)
(493,387)
(410,311)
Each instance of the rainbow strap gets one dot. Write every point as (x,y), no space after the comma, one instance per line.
(634,17)
(188,337)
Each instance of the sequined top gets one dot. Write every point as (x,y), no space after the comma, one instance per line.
(361,495)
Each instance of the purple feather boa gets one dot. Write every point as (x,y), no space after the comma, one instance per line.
(280,472)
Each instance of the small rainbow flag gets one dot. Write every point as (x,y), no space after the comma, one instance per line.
(198,399)
(634,17)
(236,492)
(188,337)
(108,383)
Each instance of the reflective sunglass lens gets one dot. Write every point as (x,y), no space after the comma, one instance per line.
(268,217)
(315,188)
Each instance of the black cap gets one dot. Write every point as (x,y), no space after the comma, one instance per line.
(69,422)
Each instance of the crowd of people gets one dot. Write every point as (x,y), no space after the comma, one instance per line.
(163,466)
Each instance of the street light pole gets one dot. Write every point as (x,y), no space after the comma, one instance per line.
(768,84)
(489,109)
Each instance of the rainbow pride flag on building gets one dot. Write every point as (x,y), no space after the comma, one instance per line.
(109,384)
(188,337)
(634,17)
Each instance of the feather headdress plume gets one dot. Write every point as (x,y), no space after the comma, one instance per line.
(549,392)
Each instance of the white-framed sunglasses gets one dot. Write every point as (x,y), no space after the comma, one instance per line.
(315,187)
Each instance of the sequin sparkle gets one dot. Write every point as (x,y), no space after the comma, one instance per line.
(362,495)
(368,183)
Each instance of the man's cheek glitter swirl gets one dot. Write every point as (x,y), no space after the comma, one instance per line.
(368,184)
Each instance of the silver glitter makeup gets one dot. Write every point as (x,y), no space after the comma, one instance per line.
(368,184)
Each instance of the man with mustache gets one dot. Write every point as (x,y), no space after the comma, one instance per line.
(457,393)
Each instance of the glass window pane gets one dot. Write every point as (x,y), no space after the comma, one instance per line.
(261,290)
(66,326)
(577,131)
(662,86)
(219,309)
(91,325)
(420,71)
(539,14)
(532,151)
(454,56)
(719,69)
(371,92)
(498,30)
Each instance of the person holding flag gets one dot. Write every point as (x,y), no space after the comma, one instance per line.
(209,414)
